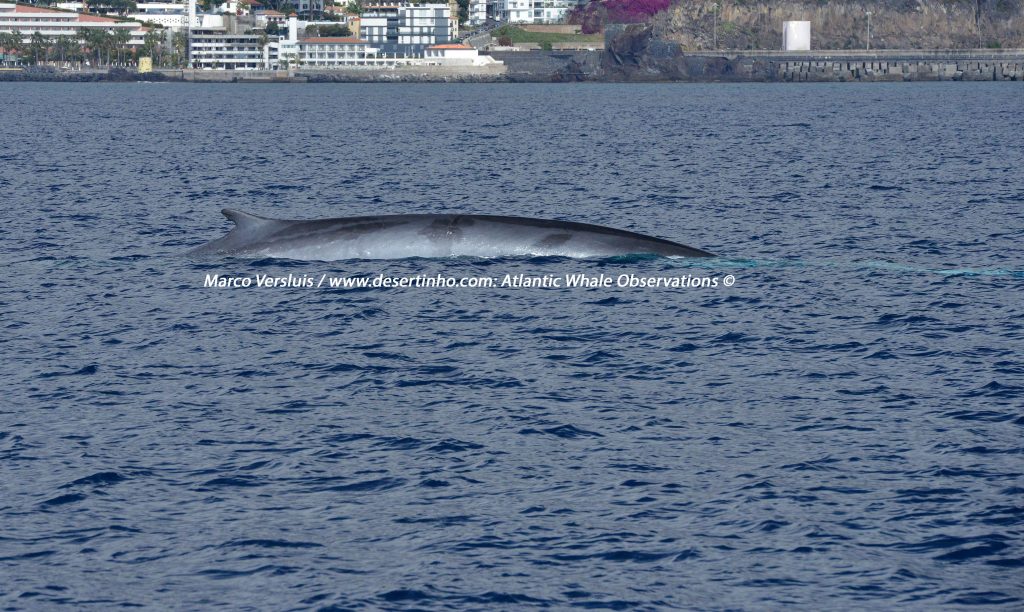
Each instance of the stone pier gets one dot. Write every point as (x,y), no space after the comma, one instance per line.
(838,66)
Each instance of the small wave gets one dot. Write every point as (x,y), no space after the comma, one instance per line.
(271,544)
(97,479)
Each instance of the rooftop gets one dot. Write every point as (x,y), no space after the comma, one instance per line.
(331,40)
(28,9)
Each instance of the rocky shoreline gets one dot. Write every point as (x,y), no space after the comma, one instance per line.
(632,56)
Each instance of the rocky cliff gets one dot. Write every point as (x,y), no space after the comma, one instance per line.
(843,24)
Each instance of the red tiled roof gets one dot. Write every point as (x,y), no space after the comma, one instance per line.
(95,18)
(82,17)
(450,46)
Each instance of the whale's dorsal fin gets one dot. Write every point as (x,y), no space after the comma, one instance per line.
(243,220)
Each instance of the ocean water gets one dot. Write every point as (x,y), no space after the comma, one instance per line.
(842,427)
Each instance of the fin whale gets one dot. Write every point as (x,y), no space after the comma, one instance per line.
(424,235)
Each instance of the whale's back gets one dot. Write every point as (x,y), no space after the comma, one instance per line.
(430,235)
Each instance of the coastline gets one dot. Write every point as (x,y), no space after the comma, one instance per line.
(618,63)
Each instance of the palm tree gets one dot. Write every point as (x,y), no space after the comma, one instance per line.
(180,45)
(37,45)
(49,43)
(65,47)
(92,40)
(120,41)
(11,43)
(150,43)
(106,42)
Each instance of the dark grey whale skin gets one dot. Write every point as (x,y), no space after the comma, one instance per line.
(431,235)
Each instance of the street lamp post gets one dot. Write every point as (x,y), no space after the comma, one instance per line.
(869,29)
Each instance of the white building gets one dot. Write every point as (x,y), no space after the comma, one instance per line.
(233,7)
(264,17)
(308,7)
(456,54)
(335,52)
(477,12)
(221,50)
(520,11)
(27,20)
(406,29)
(170,14)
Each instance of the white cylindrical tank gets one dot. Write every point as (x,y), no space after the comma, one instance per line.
(796,35)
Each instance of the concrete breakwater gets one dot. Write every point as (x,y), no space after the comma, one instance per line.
(822,66)
(888,65)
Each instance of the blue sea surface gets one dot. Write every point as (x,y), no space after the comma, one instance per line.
(842,428)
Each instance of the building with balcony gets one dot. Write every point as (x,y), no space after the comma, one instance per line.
(219,49)
(27,19)
(170,14)
(406,29)
(520,11)
(335,52)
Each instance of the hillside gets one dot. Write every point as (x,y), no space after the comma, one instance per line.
(895,24)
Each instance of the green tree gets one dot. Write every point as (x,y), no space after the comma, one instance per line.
(37,46)
(120,41)
(95,40)
(151,44)
(179,47)
(66,48)
(123,7)
(12,44)
(335,30)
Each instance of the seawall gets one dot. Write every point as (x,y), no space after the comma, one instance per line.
(889,65)
(654,62)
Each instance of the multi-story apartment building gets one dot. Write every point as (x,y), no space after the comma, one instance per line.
(477,12)
(406,29)
(27,20)
(333,52)
(170,14)
(225,48)
(308,8)
(520,11)
(219,49)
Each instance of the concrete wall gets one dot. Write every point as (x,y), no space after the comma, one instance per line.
(910,65)
(861,70)
(543,65)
